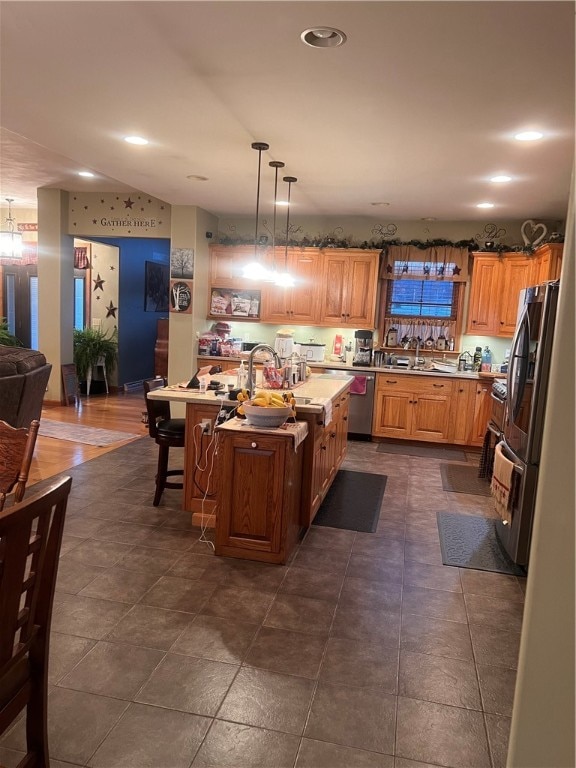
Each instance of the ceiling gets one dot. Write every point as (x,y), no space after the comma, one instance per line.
(418,108)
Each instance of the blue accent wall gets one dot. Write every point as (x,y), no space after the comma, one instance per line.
(136,328)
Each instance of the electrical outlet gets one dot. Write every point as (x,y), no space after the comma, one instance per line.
(206,425)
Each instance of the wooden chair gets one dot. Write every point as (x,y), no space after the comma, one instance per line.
(30,540)
(16,451)
(167,432)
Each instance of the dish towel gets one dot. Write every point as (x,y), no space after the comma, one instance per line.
(358,386)
(501,485)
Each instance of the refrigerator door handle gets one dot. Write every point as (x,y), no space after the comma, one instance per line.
(515,393)
(512,457)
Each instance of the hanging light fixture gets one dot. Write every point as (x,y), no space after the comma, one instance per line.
(10,240)
(255,270)
(284,279)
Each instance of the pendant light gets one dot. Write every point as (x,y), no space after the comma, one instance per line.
(10,240)
(284,279)
(255,270)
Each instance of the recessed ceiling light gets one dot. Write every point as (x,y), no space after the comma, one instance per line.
(136,140)
(501,179)
(528,136)
(87,174)
(323,37)
(379,203)
(285,203)
(197,177)
(485,205)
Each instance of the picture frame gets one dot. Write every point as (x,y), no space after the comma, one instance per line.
(156,286)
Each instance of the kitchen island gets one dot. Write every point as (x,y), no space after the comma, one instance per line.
(321,402)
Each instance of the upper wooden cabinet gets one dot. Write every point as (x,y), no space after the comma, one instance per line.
(496,284)
(349,285)
(299,304)
(334,287)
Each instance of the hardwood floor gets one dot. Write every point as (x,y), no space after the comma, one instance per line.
(119,412)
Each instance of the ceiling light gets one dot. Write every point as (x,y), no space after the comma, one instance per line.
(10,240)
(196,177)
(323,37)
(255,270)
(136,140)
(282,202)
(528,136)
(86,174)
(500,179)
(485,205)
(284,279)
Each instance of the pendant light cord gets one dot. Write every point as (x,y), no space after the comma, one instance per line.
(291,180)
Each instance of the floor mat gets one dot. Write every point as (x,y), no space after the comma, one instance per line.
(469,541)
(463,478)
(76,433)
(425,451)
(353,501)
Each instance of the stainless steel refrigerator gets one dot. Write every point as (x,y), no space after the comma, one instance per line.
(528,374)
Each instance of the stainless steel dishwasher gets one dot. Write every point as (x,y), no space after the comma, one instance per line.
(361,401)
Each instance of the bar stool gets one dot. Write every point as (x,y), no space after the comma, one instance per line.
(167,432)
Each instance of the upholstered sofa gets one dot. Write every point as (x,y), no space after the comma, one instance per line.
(24,375)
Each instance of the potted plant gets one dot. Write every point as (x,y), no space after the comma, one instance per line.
(7,339)
(92,347)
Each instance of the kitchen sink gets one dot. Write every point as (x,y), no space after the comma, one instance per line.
(303,400)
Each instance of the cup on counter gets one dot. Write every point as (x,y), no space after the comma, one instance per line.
(349,359)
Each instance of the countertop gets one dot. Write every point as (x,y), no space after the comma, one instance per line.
(359,369)
(318,388)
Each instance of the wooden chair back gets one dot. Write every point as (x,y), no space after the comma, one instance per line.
(16,451)
(158,410)
(30,541)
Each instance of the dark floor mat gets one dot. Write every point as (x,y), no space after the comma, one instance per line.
(469,541)
(463,478)
(353,501)
(425,451)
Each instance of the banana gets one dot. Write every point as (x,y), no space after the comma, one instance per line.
(261,401)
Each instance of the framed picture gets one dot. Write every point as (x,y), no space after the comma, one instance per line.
(157,287)
(182,263)
(181,296)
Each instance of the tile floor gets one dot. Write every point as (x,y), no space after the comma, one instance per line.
(365,651)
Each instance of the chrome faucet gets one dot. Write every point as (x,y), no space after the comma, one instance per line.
(255,349)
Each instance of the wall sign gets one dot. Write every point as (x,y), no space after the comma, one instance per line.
(118,214)
(181,296)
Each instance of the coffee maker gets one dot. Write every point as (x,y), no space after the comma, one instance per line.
(363,348)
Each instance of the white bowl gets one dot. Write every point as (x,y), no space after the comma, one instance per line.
(269,418)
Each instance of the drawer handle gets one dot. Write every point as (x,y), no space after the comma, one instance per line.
(253,445)
(438,386)
(390,381)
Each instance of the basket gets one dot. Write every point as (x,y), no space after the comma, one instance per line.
(269,418)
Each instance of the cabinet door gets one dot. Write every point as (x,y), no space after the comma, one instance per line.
(485,290)
(462,412)
(516,275)
(430,417)
(251,508)
(361,289)
(482,406)
(299,304)
(334,276)
(227,263)
(392,413)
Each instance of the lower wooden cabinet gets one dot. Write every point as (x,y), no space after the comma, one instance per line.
(258,512)
(480,410)
(412,408)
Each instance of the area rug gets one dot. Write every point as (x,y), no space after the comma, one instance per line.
(469,541)
(76,433)
(353,501)
(424,451)
(463,478)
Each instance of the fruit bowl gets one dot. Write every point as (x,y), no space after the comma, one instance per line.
(259,416)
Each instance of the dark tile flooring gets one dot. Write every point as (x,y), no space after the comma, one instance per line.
(365,651)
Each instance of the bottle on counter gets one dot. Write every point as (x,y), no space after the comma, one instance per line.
(477,359)
(242,377)
(486,359)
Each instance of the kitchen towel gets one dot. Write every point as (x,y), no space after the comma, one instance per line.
(501,485)
(358,386)
(326,404)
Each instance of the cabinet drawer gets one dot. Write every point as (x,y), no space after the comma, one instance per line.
(407,383)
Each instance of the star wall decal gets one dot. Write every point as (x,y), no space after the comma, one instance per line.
(97,298)
(389,268)
(94,221)
(111,310)
(128,203)
(456,270)
(112,267)
(99,282)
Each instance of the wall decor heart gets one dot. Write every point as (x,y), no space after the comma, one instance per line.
(529,231)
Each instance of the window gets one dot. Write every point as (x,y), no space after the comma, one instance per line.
(422,298)
(34,344)
(79,313)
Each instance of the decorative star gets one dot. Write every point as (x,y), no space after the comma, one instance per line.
(99,283)
(94,221)
(111,207)
(128,203)
(85,207)
(102,201)
(74,223)
(112,267)
(97,298)
(456,270)
(389,268)
(111,310)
